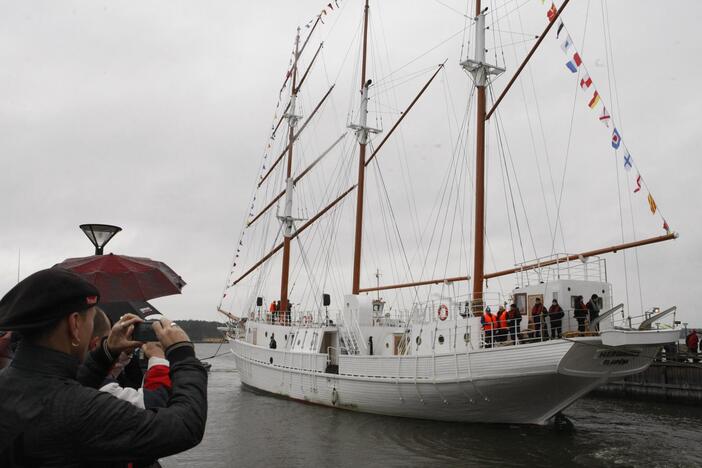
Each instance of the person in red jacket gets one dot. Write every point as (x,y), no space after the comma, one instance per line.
(692,341)
(489,322)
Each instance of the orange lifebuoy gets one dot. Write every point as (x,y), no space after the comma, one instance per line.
(442,312)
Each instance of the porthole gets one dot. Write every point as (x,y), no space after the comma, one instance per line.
(387,345)
(466,337)
(419,340)
(270,360)
(286,337)
(441,339)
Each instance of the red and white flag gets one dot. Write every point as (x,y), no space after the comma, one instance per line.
(638,183)
(585,81)
(605,117)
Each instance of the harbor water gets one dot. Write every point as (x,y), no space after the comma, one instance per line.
(246,429)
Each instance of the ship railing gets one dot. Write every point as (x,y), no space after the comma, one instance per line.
(649,319)
(588,269)
(529,330)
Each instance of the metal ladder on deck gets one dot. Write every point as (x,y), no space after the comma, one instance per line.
(349,338)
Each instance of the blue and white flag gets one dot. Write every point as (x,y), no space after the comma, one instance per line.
(567,45)
(628,161)
(616,139)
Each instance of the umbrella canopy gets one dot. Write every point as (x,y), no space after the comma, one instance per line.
(122,278)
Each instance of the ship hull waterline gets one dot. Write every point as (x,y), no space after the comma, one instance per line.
(525,387)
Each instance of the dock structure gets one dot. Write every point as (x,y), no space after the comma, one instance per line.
(676,380)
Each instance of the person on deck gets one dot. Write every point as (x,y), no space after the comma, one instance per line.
(51,412)
(593,308)
(514,321)
(555,314)
(502,319)
(692,341)
(580,313)
(488,320)
(271,311)
(536,314)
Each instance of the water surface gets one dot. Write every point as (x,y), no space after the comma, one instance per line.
(247,429)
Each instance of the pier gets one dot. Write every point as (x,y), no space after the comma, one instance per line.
(676,380)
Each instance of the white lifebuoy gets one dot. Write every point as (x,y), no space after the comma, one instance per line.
(442,312)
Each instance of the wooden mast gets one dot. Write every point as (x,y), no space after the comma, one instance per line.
(478,257)
(362,142)
(482,72)
(287,217)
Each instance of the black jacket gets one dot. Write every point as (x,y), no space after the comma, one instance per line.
(51,413)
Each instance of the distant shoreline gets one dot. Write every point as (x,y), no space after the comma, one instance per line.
(210,340)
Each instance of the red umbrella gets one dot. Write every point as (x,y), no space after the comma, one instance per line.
(122,278)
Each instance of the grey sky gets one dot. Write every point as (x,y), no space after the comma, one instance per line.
(153,116)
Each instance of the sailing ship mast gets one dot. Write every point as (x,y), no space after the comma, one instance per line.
(287,218)
(481,72)
(362,132)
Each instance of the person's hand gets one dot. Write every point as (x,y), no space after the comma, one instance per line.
(120,338)
(169,333)
(153,349)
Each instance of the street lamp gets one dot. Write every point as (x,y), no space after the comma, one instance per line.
(99,234)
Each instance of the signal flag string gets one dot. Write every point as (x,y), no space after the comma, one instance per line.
(595,102)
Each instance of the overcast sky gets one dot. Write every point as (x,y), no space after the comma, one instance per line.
(153,116)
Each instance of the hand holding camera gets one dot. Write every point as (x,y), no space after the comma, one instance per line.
(120,338)
(169,333)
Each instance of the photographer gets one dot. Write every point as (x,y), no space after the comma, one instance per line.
(52,414)
(154,391)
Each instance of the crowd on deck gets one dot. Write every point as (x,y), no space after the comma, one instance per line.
(73,392)
(542,323)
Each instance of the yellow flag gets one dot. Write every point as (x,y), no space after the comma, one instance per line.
(652,204)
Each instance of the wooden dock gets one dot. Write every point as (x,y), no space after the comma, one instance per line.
(675,381)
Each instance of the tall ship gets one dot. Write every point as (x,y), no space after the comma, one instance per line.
(432,334)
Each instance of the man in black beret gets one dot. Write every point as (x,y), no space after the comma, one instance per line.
(51,413)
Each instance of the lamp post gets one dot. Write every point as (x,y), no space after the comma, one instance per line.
(99,234)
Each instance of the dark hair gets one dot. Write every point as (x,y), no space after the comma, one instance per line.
(36,335)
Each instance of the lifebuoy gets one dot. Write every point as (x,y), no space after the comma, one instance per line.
(442,312)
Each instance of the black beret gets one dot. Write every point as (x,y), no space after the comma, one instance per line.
(44,297)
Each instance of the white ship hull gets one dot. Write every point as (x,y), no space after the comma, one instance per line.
(526,384)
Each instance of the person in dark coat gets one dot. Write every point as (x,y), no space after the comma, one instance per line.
(51,413)
(593,309)
(555,315)
(580,313)
(514,320)
(536,313)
